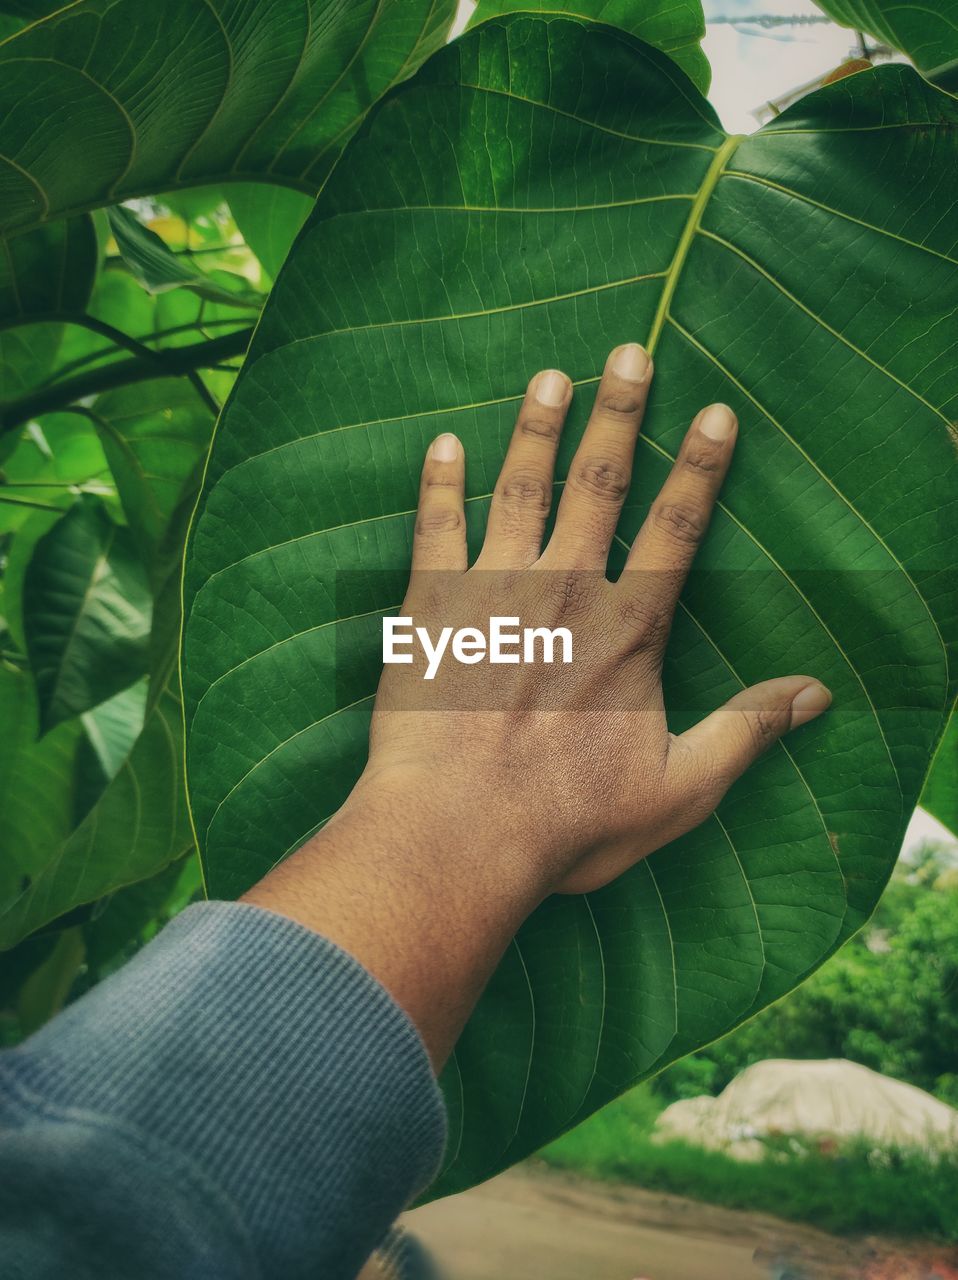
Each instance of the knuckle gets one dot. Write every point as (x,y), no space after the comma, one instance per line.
(648,625)
(622,400)
(765,725)
(526,489)
(568,590)
(680,521)
(540,426)
(435,480)
(700,461)
(604,479)
(439,520)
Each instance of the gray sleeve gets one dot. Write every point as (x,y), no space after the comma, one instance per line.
(242,1099)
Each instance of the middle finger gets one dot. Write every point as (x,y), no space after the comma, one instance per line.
(601,470)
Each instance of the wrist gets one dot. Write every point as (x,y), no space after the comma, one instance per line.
(422,892)
(451,825)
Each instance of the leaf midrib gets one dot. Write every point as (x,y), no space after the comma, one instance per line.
(689,231)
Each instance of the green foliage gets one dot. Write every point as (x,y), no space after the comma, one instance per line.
(203,93)
(677,29)
(49,271)
(854,1190)
(926,32)
(269,218)
(87,613)
(36,784)
(159,269)
(577,192)
(117,334)
(888,1000)
(45,991)
(138,827)
(940,796)
(154,436)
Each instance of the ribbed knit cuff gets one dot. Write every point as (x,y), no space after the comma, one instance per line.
(271,1060)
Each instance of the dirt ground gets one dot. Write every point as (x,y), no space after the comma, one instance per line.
(533,1223)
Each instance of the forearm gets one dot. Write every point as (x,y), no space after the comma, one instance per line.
(242,1095)
(426,899)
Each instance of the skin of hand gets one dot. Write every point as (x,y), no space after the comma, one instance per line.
(489,788)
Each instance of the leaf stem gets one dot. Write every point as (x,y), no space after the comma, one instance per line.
(92,356)
(10,500)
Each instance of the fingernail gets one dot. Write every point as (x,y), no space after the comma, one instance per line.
(631,362)
(717,422)
(809,703)
(551,387)
(445,448)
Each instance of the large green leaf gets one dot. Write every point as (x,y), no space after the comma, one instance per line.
(15,14)
(927,32)
(542,191)
(677,27)
(111,98)
(86,613)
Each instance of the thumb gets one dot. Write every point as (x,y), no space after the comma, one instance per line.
(717,750)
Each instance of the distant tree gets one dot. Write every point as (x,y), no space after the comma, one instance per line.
(888,1000)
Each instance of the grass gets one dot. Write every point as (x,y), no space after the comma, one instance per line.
(855,1190)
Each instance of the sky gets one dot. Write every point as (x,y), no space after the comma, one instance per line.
(751,65)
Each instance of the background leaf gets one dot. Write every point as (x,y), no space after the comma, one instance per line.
(926,32)
(199,94)
(154,436)
(137,827)
(109,732)
(45,991)
(940,796)
(48,271)
(52,460)
(135,914)
(159,269)
(677,27)
(577,193)
(86,613)
(36,784)
(269,219)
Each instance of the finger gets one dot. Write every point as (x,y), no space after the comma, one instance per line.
(439,540)
(663,551)
(601,470)
(523,494)
(707,758)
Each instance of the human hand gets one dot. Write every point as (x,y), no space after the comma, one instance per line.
(569,770)
(489,787)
